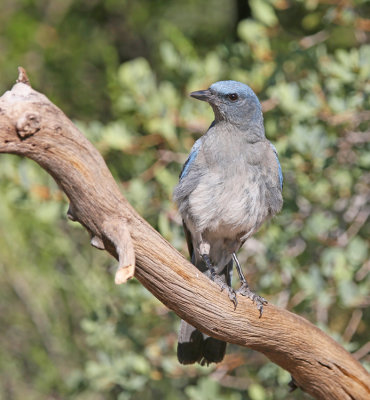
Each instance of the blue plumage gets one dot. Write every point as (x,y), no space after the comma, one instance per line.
(224,88)
(281,178)
(193,153)
(230,184)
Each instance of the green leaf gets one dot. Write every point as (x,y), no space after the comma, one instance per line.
(263,11)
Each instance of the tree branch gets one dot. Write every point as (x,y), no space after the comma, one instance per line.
(31,126)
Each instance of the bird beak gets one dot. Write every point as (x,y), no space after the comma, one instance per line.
(204,95)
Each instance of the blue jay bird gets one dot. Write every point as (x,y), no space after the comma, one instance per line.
(230,184)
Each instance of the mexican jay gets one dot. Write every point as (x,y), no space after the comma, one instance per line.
(230,184)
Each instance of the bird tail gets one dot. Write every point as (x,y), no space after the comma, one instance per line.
(194,346)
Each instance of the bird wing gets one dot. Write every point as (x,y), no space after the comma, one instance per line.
(184,172)
(192,156)
(189,241)
(281,179)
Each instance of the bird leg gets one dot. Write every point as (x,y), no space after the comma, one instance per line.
(244,289)
(215,277)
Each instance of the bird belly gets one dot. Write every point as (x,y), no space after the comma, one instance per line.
(227,214)
(227,209)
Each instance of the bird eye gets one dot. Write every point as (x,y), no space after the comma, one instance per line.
(233,96)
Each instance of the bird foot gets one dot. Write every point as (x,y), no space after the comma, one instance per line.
(223,285)
(258,300)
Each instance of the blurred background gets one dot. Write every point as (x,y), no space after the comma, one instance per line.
(122,70)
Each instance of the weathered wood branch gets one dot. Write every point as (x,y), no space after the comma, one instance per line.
(31,126)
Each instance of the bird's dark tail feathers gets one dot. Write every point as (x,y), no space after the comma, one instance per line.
(194,346)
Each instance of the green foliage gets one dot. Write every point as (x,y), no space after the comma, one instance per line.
(67,331)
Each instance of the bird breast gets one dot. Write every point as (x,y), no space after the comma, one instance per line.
(232,204)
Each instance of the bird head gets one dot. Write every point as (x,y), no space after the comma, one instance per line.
(232,101)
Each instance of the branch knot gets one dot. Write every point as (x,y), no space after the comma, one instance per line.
(28,124)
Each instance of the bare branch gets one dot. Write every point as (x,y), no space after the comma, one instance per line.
(31,126)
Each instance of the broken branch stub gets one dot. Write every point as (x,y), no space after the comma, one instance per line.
(46,135)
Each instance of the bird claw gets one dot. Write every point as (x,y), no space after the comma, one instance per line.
(258,300)
(223,285)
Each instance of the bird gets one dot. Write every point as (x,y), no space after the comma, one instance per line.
(230,184)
